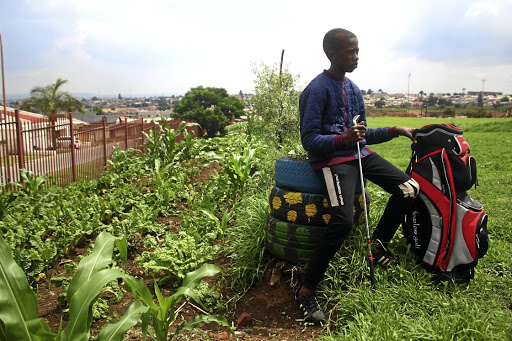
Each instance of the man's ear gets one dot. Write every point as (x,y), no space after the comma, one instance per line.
(331,55)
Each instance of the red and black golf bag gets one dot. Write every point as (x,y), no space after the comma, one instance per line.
(447,229)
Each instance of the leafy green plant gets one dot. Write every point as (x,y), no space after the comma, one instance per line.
(18,304)
(177,255)
(163,314)
(6,199)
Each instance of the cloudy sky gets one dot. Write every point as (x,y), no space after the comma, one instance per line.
(162,47)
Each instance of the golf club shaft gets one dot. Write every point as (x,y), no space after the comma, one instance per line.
(368,239)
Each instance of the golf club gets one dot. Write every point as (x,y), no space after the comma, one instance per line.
(368,239)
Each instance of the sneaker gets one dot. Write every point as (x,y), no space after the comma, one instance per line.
(310,308)
(382,257)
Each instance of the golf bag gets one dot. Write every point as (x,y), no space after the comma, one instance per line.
(447,229)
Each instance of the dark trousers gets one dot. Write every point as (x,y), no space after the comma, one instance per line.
(340,181)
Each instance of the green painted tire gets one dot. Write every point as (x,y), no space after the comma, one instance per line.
(289,253)
(293,232)
(308,208)
(291,242)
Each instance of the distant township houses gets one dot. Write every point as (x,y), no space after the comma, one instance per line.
(490,99)
(119,109)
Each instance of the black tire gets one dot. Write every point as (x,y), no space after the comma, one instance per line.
(308,208)
(298,175)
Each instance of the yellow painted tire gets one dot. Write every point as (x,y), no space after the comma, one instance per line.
(308,208)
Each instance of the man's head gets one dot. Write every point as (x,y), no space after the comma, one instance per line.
(341,47)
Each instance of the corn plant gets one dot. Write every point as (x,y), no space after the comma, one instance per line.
(32,187)
(164,313)
(31,184)
(238,168)
(18,303)
(161,142)
(221,224)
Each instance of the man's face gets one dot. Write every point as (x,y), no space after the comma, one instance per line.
(345,58)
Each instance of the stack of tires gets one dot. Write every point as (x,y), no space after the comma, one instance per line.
(300,211)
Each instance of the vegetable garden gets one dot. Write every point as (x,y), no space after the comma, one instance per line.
(182,212)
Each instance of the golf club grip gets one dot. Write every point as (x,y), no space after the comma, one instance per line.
(372,272)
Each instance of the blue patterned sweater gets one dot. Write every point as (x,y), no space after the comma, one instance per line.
(327,108)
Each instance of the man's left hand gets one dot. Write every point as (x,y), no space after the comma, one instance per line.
(405,131)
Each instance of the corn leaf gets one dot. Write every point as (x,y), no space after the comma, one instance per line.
(193,278)
(80,307)
(139,291)
(122,246)
(115,331)
(18,303)
(204,319)
(98,260)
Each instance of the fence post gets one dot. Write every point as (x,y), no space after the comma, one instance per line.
(142,137)
(19,137)
(126,133)
(72,135)
(104,121)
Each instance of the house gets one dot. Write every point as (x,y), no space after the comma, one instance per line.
(94,118)
(155,115)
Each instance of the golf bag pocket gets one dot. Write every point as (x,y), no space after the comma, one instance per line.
(470,241)
(463,170)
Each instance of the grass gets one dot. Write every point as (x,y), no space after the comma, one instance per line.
(406,305)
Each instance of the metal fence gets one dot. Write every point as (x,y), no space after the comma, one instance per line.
(63,149)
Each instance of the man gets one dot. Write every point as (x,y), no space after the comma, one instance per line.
(327,107)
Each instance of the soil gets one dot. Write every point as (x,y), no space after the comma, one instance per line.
(267,311)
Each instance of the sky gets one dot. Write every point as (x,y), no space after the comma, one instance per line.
(157,47)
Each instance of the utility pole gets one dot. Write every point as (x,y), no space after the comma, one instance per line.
(3,77)
(408,84)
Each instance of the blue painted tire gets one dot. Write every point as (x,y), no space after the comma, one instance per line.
(298,176)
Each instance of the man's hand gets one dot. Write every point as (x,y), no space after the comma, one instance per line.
(405,131)
(355,134)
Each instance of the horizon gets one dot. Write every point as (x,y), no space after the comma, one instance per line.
(89,95)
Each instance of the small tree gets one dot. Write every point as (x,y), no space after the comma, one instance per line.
(380,103)
(450,112)
(211,107)
(97,109)
(275,102)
